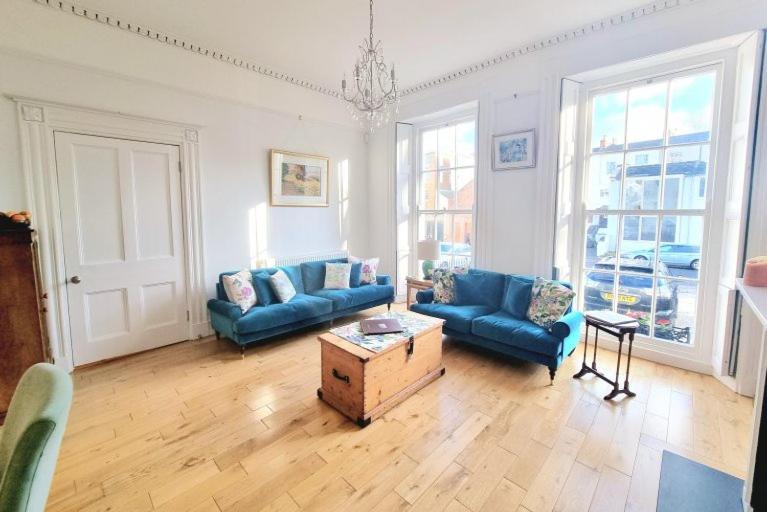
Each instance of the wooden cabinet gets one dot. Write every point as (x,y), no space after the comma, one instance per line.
(22,334)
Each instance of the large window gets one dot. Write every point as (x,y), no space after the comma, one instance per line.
(647,170)
(446,171)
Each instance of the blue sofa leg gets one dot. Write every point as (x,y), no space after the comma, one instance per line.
(552,372)
(242,351)
(388,306)
(218,335)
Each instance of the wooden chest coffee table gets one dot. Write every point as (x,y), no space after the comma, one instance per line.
(363,383)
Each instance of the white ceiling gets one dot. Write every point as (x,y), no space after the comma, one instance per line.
(316,40)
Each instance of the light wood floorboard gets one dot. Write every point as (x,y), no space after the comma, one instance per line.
(195,427)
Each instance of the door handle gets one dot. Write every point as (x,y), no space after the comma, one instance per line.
(75,280)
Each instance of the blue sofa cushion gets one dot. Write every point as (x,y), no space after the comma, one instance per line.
(516,300)
(352,297)
(313,274)
(299,308)
(457,318)
(355,278)
(479,288)
(264,291)
(504,328)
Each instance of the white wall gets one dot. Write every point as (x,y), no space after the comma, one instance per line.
(237,131)
(516,208)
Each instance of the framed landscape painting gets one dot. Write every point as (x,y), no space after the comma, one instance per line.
(514,150)
(299,180)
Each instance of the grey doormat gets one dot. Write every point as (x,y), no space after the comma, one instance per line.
(687,486)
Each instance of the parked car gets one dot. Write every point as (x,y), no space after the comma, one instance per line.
(634,293)
(673,255)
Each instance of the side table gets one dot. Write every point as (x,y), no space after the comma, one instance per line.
(416,284)
(619,326)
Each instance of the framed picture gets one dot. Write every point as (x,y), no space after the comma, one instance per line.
(299,180)
(514,150)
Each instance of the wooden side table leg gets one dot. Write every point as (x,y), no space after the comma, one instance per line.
(612,394)
(583,370)
(596,342)
(628,367)
(407,300)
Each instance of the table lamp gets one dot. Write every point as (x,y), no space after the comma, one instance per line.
(428,251)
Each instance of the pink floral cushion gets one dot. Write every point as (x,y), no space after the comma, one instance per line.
(239,289)
(368,273)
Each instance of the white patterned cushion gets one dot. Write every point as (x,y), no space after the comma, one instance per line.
(368,271)
(239,289)
(282,286)
(548,302)
(444,284)
(337,275)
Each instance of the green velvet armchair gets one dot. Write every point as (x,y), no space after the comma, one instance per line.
(31,437)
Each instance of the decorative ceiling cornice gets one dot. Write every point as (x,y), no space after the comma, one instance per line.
(184,44)
(223,56)
(548,42)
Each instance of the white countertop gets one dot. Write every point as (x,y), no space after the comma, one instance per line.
(756,298)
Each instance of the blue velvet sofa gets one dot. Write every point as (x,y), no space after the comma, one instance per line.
(312,304)
(489,310)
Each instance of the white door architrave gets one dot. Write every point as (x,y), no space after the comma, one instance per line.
(38,122)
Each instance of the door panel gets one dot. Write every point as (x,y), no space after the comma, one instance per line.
(123,241)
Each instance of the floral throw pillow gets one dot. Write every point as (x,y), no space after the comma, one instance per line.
(282,286)
(369,268)
(337,275)
(444,284)
(239,289)
(548,302)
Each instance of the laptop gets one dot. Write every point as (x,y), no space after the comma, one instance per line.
(380,326)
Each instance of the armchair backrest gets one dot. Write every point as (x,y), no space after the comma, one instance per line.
(31,437)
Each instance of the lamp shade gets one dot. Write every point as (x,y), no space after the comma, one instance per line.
(428,249)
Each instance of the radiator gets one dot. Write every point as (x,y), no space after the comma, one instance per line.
(295,260)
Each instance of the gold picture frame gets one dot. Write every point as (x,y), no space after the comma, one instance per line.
(298,179)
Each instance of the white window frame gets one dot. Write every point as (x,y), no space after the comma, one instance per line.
(699,351)
(415,185)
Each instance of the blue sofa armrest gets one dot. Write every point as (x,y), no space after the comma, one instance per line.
(227,309)
(383,279)
(425,296)
(569,325)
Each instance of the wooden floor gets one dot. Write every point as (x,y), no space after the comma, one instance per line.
(195,427)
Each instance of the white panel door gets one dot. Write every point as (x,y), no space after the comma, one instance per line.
(123,245)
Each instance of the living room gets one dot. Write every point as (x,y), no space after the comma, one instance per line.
(386,256)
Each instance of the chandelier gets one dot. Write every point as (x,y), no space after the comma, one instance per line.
(374,88)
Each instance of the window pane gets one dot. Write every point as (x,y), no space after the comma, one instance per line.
(464,182)
(681,240)
(462,240)
(598,291)
(425,226)
(608,122)
(646,115)
(638,244)
(687,167)
(428,191)
(604,181)
(691,108)
(446,141)
(445,191)
(634,299)
(465,143)
(642,190)
(429,150)
(675,307)
(601,235)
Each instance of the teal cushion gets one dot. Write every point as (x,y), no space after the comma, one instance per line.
(480,288)
(504,328)
(457,318)
(264,291)
(299,308)
(356,276)
(352,297)
(516,300)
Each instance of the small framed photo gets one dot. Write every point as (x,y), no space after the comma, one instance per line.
(514,150)
(298,179)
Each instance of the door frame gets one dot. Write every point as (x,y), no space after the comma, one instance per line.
(38,121)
